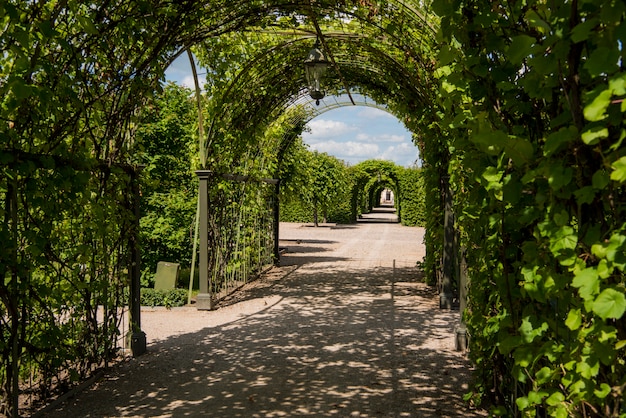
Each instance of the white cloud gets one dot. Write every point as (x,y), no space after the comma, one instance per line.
(364,137)
(344,150)
(188,82)
(326,128)
(404,154)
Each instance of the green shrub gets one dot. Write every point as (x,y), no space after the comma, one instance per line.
(168,298)
(294,210)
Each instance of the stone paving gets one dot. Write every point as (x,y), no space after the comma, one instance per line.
(336,331)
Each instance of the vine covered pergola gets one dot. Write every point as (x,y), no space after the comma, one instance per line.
(517,109)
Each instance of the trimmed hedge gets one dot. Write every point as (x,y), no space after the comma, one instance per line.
(411,182)
(169,298)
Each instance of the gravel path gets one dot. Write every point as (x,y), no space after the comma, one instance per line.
(336,331)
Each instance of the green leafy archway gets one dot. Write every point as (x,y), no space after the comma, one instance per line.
(370,179)
(523,145)
(74,79)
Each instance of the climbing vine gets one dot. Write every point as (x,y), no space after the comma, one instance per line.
(536,90)
(524,124)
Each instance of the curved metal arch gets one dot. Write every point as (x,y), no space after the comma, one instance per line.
(258,72)
(213,19)
(397,38)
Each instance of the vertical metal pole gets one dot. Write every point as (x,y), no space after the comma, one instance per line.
(137,336)
(15,301)
(204,300)
(462,280)
(276,223)
(461,331)
(449,257)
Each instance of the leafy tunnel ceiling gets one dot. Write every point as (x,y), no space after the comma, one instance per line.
(254,58)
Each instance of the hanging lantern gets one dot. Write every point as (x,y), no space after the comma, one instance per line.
(315,66)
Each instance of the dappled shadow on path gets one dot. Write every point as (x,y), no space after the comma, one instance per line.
(380,215)
(353,342)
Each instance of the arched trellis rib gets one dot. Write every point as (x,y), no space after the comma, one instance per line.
(261,71)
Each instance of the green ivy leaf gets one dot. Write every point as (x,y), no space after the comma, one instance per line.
(520,48)
(447,55)
(594,134)
(555,140)
(509,343)
(605,352)
(610,304)
(585,195)
(529,332)
(522,403)
(537,22)
(519,150)
(491,141)
(555,399)
(619,170)
(561,218)
(596,110)
(600,179)
(588,367)
(618,85)
(603,391)
(536,397)
(574,319)
(603,269)
(563,239)
(602,61)
(87,24)
(582,31)
(543,375)
(616,251)
(559,176)
(523,356)
(587,283)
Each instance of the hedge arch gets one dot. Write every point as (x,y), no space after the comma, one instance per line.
(370,179)
(368,176)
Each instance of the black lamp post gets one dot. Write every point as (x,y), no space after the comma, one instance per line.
(315,66)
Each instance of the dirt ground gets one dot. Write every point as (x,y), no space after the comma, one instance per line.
(336,331)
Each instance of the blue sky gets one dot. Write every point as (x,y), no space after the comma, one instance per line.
(359,133)
(351,133)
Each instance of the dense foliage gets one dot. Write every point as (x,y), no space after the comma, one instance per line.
(517,107)
(355,190)
(537,91)
(167,149)
(322,188)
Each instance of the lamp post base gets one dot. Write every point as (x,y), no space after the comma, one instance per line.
(204,302)
(445,300)
(138,343)
(461,340)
